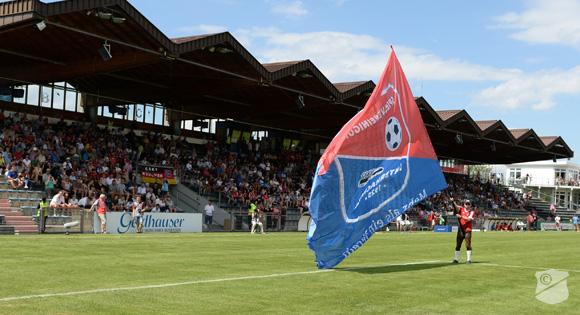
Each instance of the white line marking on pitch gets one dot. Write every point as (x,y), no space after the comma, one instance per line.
(205,281)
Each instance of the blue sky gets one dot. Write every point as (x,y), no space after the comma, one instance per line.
(511,60)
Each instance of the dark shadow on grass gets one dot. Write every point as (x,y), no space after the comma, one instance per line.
(396,268)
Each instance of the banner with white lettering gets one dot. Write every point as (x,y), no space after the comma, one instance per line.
(156,174)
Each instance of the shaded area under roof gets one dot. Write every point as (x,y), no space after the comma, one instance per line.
(214,76)
(489,142)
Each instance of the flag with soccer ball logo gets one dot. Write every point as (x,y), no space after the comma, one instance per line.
(379,165)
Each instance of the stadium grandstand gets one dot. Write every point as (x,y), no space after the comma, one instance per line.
(93,96)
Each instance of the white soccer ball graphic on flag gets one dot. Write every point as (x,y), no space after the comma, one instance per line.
(393,134)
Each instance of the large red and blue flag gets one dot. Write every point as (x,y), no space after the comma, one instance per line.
(379,165)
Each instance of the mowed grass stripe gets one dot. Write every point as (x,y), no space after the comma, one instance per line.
(205,281)
(392,273)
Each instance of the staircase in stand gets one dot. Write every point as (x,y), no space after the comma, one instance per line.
(543,209)
(14,221)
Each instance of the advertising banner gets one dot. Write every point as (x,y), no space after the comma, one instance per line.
(122,222)
(550,226)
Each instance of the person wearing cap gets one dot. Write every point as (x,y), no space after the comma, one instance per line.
(465,216)
(66,164)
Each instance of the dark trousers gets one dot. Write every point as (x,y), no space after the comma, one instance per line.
(43,222)
(461,237)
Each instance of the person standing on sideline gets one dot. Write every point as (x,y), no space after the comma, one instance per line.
(275,217)
(43,213)
(557,222)
(530,222)
(101,211)
(465,216)
(138,208)
(257,220)
(399,222)
(575,222)
(251,209)
(535,216)
(209,209)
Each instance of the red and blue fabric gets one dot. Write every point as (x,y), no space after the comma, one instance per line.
(378,166)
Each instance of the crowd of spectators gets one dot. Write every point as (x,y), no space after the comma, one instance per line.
(268,179)
(85,160)
(487,197)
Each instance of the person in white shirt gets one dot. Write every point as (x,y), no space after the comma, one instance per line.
(138,208)
(57,201)
(399,222)
(26,162)
(142,190)
(83,202)
(109,180)
(257,221)
(209,209)
(160,203)
(557,223)
(66,164)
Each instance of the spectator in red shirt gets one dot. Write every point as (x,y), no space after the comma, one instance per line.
(17,155)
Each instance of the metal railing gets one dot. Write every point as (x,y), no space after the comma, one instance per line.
(543,182)
(54,220)
(547,198)
(179,198)
(240,221)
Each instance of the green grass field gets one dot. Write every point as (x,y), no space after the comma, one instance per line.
(239,273)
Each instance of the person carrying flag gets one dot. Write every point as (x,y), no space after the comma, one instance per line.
(379,165)
(465,216)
